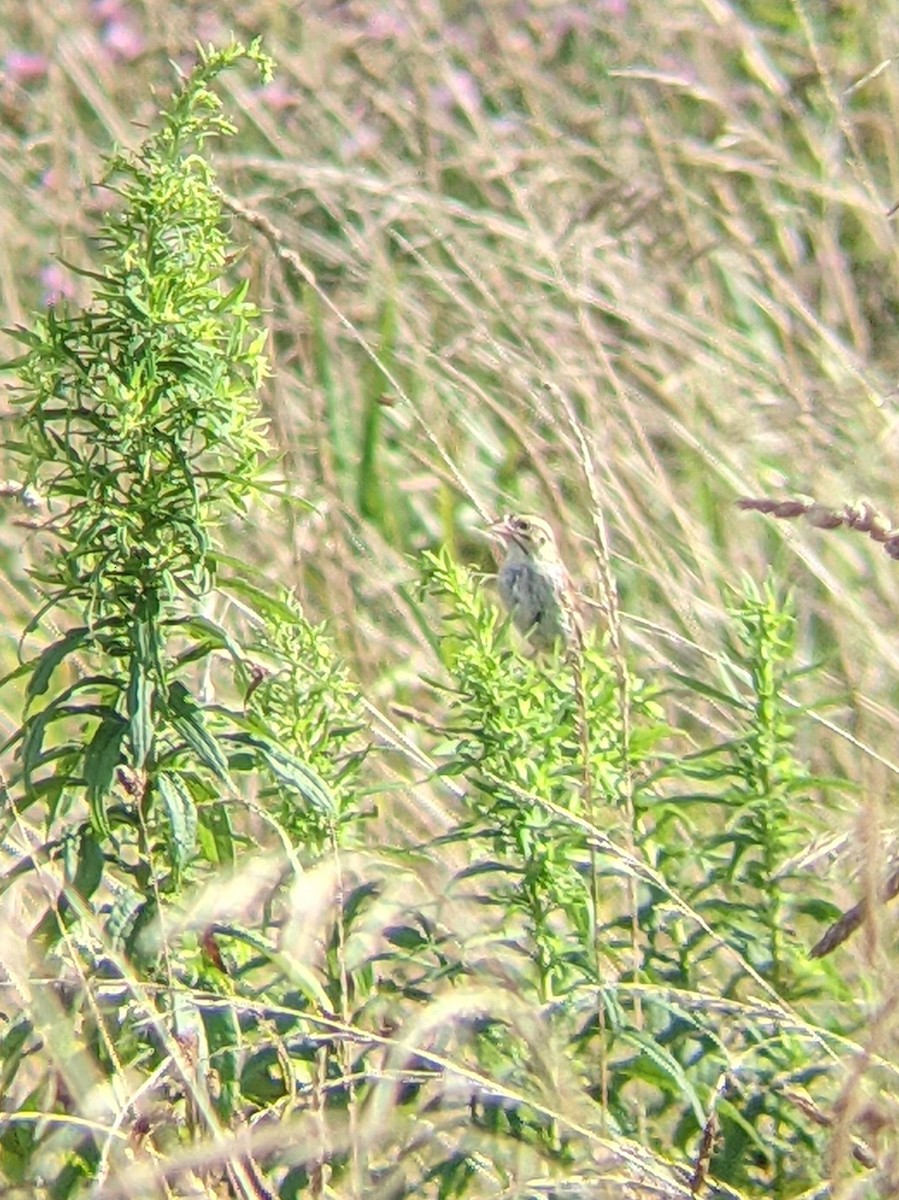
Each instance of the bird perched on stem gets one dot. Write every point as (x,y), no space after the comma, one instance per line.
(533,583)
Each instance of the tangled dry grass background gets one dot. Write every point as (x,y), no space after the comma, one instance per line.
(621,258)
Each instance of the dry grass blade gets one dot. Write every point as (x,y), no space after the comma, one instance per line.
(861,517)
(851,920)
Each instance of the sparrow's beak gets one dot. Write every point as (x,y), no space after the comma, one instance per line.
(499,531)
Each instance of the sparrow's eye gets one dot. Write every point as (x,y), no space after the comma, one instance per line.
(522,524)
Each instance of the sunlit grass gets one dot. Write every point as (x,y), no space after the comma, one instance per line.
(621,260)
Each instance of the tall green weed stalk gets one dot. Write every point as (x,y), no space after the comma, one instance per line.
(127,783)
(139,427)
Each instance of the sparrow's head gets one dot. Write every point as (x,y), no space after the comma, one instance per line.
(531,536)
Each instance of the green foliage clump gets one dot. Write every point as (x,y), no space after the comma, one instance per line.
(140,414)
(518,733)
(569,835)
(141,434)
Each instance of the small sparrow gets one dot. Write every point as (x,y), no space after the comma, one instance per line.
(533,583)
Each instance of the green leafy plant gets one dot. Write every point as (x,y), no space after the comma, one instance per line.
(140,431)
(714,901)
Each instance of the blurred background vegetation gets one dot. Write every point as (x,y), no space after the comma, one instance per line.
(617,262)
(676,216)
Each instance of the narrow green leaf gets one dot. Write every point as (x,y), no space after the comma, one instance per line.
(141,723)
(290,771)
(729,1112)
(266,604)
(299,973)
(187,718)
(182,818)
(236,296)
(728,699)
(224,1041)
(50,659)
(215,835)
(91,864)
(369,483)
(213,637)
(141,945)
(664,1071)
(122,916)
(101,757)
